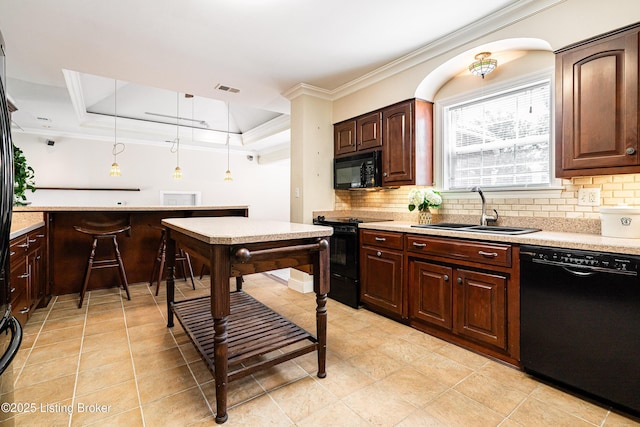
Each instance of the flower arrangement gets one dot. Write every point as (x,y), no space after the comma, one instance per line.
(23,176)
(424,198)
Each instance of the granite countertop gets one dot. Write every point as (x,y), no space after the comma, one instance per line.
(591,242)
(239,230)
(125,208)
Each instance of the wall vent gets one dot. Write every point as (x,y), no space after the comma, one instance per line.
(227,88)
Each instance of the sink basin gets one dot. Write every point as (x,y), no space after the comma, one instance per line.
(495,229)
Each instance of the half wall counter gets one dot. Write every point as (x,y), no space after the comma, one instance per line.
(69,249)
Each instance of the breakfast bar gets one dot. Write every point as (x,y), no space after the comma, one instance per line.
(235,334)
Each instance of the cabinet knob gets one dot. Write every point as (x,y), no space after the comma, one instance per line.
(446,278)
(459,280)
(379,253)
(384,174)
(630,151)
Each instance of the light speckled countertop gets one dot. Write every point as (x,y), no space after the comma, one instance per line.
(591,242)
(238,230)
(124,208)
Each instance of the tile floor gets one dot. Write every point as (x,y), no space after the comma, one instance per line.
(114,362)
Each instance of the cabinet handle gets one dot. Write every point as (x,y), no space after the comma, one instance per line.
(23,276)
(459,280)
(40,236)
(630,150)
(379,253)
(380,239)
(446,278)
(419,245)
(32,240)
(12,253)
(13,290)
(25,310)
(23,245)
(488,254)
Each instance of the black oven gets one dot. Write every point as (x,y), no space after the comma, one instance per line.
(344,247)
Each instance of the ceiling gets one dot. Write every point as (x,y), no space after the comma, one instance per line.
(64,58)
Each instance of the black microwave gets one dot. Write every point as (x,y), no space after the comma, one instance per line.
(362,170)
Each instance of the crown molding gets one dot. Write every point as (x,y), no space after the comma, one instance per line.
(310,90)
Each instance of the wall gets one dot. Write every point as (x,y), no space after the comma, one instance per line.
(85,163)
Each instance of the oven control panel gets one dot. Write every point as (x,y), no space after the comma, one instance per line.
(597,261)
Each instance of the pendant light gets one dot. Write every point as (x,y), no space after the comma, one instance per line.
(227,174)
(118,148)
(177,172)
(483,65)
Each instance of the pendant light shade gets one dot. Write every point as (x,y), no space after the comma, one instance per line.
(483,65)
(227,174)
(118,148)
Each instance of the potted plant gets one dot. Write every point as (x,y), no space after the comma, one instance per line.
(423,199)
(23,177)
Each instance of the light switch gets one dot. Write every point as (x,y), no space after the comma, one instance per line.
(589,197)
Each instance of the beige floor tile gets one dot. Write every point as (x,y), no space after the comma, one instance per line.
(164,383)
(146,364)
(455,409)
(261,411)
(343,378)
(279,375)
(301,398)
(106,356)
(375,364)
(535,413)
(238,392)
(620,420)
(366,402)
(464,357)
(58,335)
(112,401)
(402,350)
(570,404)
(104,376)
(498,396)
(412,386)
(335,415)
(45,415)
(509,375)
(47,392)
(132,418)
(107,323)
(441,369)
(117,338)
(181,409)
(40,372)
(45,353)
(64,322)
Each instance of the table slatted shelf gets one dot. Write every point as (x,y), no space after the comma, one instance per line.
(254,330)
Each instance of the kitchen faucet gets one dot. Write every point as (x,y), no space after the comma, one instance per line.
(484,218)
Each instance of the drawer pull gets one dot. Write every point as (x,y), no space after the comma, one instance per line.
(13,290)
(488,254)
(24,310)
(379,253)
(12,253)
(23,276)
(419,245)
(32,240)
(380,239)
(39,236)
(23,245)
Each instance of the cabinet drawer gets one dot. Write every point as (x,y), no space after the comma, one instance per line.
(480,252)
(35,239)
(381,238)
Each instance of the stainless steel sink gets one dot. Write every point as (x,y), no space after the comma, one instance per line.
(495,229)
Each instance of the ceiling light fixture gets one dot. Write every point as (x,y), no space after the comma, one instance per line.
(177,172)
(118,147)
(227,174)
(483,65)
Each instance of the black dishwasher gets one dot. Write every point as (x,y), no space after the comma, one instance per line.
(580,322)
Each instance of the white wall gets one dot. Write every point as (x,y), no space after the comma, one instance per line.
(85,163)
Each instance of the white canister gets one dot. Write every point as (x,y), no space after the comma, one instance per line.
(620,221)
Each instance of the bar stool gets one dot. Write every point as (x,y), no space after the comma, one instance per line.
(93,264)
(161,255)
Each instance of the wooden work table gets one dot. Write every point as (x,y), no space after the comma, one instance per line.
(68,249)
(231,330)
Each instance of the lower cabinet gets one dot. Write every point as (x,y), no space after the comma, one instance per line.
(463,291)
(27,277)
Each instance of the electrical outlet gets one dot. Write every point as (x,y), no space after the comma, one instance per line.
(589,197)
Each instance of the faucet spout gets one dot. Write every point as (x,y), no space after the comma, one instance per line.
(484,218)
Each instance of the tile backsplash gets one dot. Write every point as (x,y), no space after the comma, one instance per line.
(555,210)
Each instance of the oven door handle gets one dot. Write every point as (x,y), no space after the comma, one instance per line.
(14,345)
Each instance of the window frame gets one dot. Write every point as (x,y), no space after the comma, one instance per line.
(488,91)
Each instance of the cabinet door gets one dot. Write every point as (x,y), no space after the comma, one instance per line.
(36,276)
(597,105)
(381,279)
(368,133)
(344,137)
(430,293)
(479,307)
(398,145)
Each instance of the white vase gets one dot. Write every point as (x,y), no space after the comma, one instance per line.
(424,217)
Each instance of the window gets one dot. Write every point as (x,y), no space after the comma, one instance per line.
(502,140)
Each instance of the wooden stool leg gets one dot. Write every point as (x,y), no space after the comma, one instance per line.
(87,273)
(185,255)
(239,281)
(163,256)
(156,262)
(123,275)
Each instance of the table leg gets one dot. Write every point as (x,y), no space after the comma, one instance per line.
(321,330)
(171,276)
(220,349)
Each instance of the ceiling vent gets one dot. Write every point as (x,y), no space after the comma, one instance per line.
(227,88)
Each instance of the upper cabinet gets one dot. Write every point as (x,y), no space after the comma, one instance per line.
(597,105)
(404,133)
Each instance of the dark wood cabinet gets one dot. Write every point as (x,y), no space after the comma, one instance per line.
(27,273)
(381,273)
(344,137)
(597,105)
(430,291)
(362,133)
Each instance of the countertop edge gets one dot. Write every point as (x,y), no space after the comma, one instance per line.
(25,230)
(124,208)
(590,242)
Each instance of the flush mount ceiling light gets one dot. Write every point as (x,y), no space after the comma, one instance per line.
(227,174)
(118,147)
(483,65)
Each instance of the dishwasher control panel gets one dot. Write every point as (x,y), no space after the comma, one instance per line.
(602,261)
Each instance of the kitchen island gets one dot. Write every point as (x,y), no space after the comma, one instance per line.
(68,249)
(233,332)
